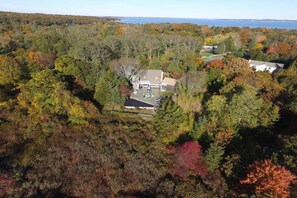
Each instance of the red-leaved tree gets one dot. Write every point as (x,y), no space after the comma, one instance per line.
(270,179)
(6,183)
(189,160)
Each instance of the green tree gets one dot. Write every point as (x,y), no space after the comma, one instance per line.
(242,108)
(45,96)
(103,91)
(107,89)
(249,110)
(230,45)
(221,48)
(288,80)
(213,156)
(288,153)
(171,121)
(67,66)
(10,71)
(44,41)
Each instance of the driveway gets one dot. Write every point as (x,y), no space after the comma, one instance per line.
(213,57)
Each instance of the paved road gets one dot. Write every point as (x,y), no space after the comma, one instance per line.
(213,57)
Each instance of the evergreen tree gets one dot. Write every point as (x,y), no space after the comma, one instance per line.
(171,121)
(213,156)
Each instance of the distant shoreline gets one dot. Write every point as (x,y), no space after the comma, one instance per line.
(242,23)
(271,20)
(121,17)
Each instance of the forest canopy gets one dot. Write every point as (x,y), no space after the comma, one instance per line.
(65,133)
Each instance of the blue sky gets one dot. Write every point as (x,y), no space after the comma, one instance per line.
(231,9)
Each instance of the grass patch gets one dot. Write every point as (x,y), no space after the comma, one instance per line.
(207,54)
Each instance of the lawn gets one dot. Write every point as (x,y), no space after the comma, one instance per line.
(207,54)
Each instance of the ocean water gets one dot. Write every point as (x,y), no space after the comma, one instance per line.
(215,22)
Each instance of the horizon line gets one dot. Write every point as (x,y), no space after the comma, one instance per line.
(164,17)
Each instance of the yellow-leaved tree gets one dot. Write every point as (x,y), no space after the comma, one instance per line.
(45,96)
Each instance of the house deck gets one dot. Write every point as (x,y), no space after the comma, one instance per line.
(149,98)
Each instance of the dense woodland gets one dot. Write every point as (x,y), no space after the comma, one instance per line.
(227,131)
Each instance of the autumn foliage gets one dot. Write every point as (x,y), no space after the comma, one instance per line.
(188,160)
(199,62)
(281,48)
(5,183)
(44,60)
(175,75)
(269,178)
(64,130)
(224,136)
(261,38)
(124,90)
(218,64)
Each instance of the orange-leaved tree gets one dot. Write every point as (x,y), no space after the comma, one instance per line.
(218,64)
(269,179)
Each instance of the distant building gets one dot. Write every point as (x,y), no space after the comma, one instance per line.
(265,66)
(209,48)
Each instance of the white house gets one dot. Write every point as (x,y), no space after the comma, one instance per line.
(209,48)
(147,79)
(265,66)
(152,79)
(147,85)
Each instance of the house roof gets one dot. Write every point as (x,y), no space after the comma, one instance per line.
(209,46)
(268,64)
(153,76)
(169,81)
(136,103)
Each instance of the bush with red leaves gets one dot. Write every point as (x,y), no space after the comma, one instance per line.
(6,183)
(175,75)
(189,160)
(124,90)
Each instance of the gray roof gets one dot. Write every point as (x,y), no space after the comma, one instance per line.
(169,81)
(154,76)
(136,103)
(269,64)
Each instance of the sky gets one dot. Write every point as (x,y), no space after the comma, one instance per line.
(213,9)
